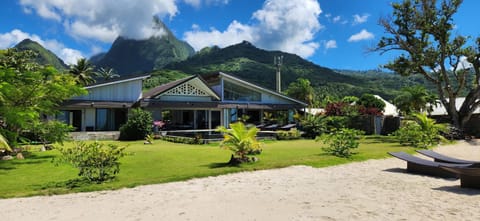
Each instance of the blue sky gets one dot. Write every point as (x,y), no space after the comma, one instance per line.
(330,33)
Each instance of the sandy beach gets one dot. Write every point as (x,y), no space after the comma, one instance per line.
(370,190)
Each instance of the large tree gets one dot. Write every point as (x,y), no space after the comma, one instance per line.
(421,30)
(301,90)
(28,90)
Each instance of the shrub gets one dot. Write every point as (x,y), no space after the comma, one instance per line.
(312,126)
(241,141)
(342,142)
(421,132)
(51,132)
(291,134)
(186,140)
(95,162)
(138,126)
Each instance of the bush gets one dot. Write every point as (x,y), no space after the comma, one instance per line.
(51,132)
(138,126)
(291,134)
(95,161)
(421,133)
(312,126)
(186,140)
(342,142)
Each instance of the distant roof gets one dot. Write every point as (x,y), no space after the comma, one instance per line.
(164,87)
(390,109)
(125,78)
(440,110)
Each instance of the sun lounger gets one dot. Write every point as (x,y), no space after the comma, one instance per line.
(469,176)
(444,159)
(426,167)
(288,126)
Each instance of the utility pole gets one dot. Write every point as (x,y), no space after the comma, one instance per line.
(277,61)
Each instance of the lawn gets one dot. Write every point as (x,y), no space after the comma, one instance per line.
(166,162)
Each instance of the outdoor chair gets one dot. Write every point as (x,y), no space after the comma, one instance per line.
(469,176)
(421,166)
(271,127)
(288,126)
(443,158)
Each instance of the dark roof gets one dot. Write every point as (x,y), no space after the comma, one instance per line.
(164,87)
(96,104)
(121,78)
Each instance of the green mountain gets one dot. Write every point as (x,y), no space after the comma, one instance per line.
(130,56)
(256,65)
(45,57)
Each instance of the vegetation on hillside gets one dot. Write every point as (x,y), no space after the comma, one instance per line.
(44,56)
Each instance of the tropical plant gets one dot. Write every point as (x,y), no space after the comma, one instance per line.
(241,141)
(83,71)
(421,132)
(342,142)
(95,161)
(414,99)
(422,32)
(106,73)
(370,101)
(138,125)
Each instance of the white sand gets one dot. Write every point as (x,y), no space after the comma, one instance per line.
(371,190)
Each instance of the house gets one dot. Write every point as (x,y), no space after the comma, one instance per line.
(439,113)
(207,101)
(105,107)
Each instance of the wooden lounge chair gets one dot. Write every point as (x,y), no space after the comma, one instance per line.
(444,159)
(426,167)
(469,176)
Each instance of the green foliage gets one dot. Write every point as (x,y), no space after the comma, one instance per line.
(240,140)
(421,132)
(301,90)
(160,77)
(83,72)
(139,125)
(45,57)
(149,139)
(184,140)
(291,134)
(313,126)
(131,56)
(370,101)
(28,90)
(96,162)
(106,73)
(4,146)
(51,131)
(342,142)
(422,35)
(414,99)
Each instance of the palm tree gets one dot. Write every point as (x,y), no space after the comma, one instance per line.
(241,141)
(83,71)
(106,73)
(414,99)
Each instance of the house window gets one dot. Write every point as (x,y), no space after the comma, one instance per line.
(234,92)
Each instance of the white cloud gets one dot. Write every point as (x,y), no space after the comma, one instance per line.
(104,20)
(68,55)
(362,35)
(464,64)
(336,19)
(287,25)
(330,44)
(199,3)
(359,19)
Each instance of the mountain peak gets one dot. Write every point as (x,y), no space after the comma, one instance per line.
(45,56)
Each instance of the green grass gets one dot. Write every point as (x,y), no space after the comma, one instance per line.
(166,162)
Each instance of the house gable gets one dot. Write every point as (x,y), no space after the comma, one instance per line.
(124,90)
(189,89)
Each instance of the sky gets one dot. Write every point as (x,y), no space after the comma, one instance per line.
(332,33)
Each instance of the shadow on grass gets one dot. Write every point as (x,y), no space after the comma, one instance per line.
(380,139)
(221,165)
(68,184)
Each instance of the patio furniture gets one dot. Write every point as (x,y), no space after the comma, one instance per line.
(421,166)
(469,176)
(271,127)
(443,158)
(288,126)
